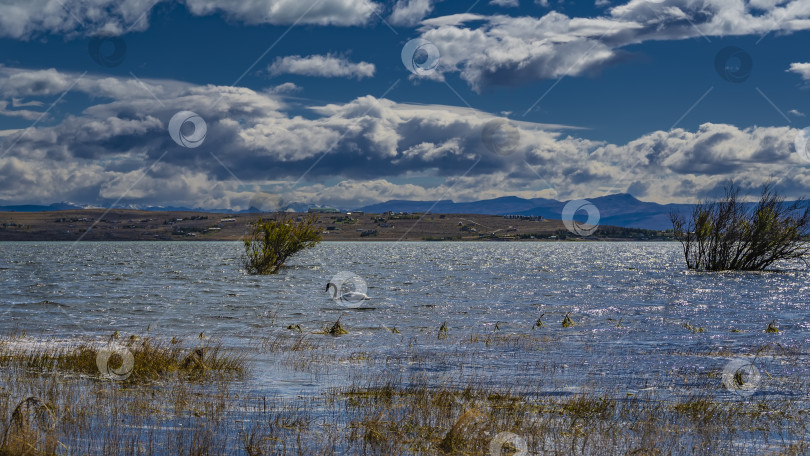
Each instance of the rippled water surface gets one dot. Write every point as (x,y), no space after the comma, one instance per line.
(630,304)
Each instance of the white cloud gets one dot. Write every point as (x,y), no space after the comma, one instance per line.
(327,66)
(410,12)
(375,146)
(505,3)
(796,113)
(287,87)
(24,19)
(802,69)
(505,50)
(22,113)
(282,12)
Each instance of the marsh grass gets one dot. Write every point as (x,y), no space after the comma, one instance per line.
(192,403)
(463,422)
(54,398)
(152,359)
(336,329)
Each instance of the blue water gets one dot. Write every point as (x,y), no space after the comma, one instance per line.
(629,303)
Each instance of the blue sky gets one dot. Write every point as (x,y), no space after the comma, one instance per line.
(310,101)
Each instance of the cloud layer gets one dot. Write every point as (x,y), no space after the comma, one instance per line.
(506,50)
(24,19)
(346,154)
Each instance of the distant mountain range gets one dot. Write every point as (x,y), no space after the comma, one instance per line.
(617,210)
(40,208)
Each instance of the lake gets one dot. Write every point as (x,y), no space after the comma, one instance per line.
(184,288)
(641,321)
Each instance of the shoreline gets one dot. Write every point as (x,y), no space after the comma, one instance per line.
(135,225)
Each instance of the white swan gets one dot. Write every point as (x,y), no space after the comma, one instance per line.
(348,296)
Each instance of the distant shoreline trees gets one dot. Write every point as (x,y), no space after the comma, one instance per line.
(730,235)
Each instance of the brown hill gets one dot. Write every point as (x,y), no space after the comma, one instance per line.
(133,225)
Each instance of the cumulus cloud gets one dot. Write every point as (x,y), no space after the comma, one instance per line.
(326,66)
(802,69)
(506,50)
(119,147)
(23,19)
(410,12)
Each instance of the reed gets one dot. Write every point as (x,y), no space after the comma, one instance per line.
(192,402)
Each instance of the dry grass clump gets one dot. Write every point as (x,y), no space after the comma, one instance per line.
(336,329)
(134,361)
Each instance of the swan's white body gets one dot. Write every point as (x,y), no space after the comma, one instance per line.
(348,296)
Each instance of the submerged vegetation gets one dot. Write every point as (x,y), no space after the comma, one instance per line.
(269,243)
(730,235)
